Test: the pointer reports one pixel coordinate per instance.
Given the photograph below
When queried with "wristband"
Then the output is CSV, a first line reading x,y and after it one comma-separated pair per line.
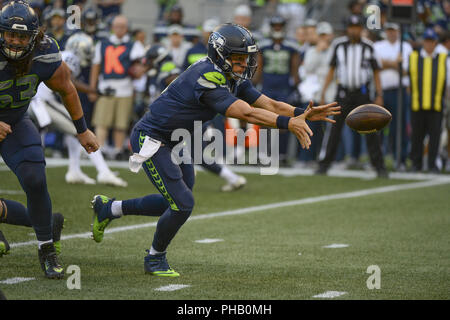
x,y
283,122
80,125
298,111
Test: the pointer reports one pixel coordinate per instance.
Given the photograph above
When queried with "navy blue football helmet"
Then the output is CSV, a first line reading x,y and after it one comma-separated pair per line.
x,y
155,55
277,27
19,27
229,39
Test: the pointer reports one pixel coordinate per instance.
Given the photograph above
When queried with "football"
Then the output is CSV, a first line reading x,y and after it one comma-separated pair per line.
x,y
368,118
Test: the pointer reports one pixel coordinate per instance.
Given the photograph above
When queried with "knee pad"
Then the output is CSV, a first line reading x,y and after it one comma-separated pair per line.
x,y
32,176
185,202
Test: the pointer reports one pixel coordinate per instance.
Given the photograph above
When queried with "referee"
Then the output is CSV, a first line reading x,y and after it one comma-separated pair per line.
x,y
354,64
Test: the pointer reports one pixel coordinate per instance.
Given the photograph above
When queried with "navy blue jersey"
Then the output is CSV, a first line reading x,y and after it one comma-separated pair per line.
x,y
199,93
277,64
16,93
197,52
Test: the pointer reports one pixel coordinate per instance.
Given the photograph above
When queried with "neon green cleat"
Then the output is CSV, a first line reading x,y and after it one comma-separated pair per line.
x,y
58,225
4,245
102,216
49,262
157,265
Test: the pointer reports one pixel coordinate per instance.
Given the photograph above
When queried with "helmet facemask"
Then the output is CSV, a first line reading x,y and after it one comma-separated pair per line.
x,y
17,45
250,69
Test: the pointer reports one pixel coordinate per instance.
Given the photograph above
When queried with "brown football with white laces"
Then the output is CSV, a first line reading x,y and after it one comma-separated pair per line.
x,y
368,118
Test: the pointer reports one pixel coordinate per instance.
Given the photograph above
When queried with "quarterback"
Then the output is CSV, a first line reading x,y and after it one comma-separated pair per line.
x,y
219,83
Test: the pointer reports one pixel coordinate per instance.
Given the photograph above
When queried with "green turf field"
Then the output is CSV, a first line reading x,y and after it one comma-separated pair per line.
x,y
269,252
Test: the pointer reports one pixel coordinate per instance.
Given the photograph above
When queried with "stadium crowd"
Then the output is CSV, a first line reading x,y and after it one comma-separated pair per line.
x,y
295,55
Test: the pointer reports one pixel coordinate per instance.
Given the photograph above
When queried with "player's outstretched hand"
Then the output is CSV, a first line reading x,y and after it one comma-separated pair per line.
x,y
88,140
320,113
5,129
300,128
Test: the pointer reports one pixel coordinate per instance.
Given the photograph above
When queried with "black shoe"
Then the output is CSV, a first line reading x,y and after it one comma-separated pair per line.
x,y
322,170
435,170
58,225
382,173
4,245
49,262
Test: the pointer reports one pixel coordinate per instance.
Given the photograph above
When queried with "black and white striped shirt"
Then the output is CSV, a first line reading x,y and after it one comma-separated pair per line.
x,y
354,62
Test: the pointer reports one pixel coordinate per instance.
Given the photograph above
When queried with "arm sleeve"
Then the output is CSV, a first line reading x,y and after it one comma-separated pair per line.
x,y
248,92
219,99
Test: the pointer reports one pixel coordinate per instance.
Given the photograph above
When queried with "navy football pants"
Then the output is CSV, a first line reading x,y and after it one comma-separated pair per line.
x,y
174,182
23,153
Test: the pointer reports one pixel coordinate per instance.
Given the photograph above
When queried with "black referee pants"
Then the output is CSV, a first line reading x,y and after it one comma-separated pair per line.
x,y
349,101
423,123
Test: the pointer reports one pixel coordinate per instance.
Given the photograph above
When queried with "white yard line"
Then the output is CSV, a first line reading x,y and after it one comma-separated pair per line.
x,y
336,245
172,287
207,240
287,172
16,280
11,192
330,294
276,205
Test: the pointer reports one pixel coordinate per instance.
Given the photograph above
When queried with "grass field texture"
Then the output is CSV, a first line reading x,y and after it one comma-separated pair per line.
x,y
273,252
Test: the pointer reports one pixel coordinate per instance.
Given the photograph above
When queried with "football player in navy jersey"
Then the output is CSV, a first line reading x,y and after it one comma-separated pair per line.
x,y
28,57
219,83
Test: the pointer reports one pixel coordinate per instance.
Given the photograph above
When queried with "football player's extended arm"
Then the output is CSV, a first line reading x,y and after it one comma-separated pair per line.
x,y
278,107
243,111
319,113
61,83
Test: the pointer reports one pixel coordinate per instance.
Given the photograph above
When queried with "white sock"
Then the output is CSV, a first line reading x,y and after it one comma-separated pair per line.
x,y
228,175
116,208
99,161
74,148
40,243
153,251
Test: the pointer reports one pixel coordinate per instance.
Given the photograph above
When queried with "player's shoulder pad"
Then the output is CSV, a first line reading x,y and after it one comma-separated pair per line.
x,y
48,51
211,76
291,44
265,43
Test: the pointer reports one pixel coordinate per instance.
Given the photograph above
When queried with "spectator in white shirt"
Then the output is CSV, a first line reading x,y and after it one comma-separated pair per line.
x,y
110,71
313,72
177,46
389,58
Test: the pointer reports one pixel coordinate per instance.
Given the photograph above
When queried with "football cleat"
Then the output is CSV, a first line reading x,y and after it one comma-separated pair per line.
x,y
110,178
58,225
75,177
238,184
49,262
157,265
102,216
4,245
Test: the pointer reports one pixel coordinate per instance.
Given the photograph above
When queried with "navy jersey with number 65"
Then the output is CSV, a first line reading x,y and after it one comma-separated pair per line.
x,y
16,93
